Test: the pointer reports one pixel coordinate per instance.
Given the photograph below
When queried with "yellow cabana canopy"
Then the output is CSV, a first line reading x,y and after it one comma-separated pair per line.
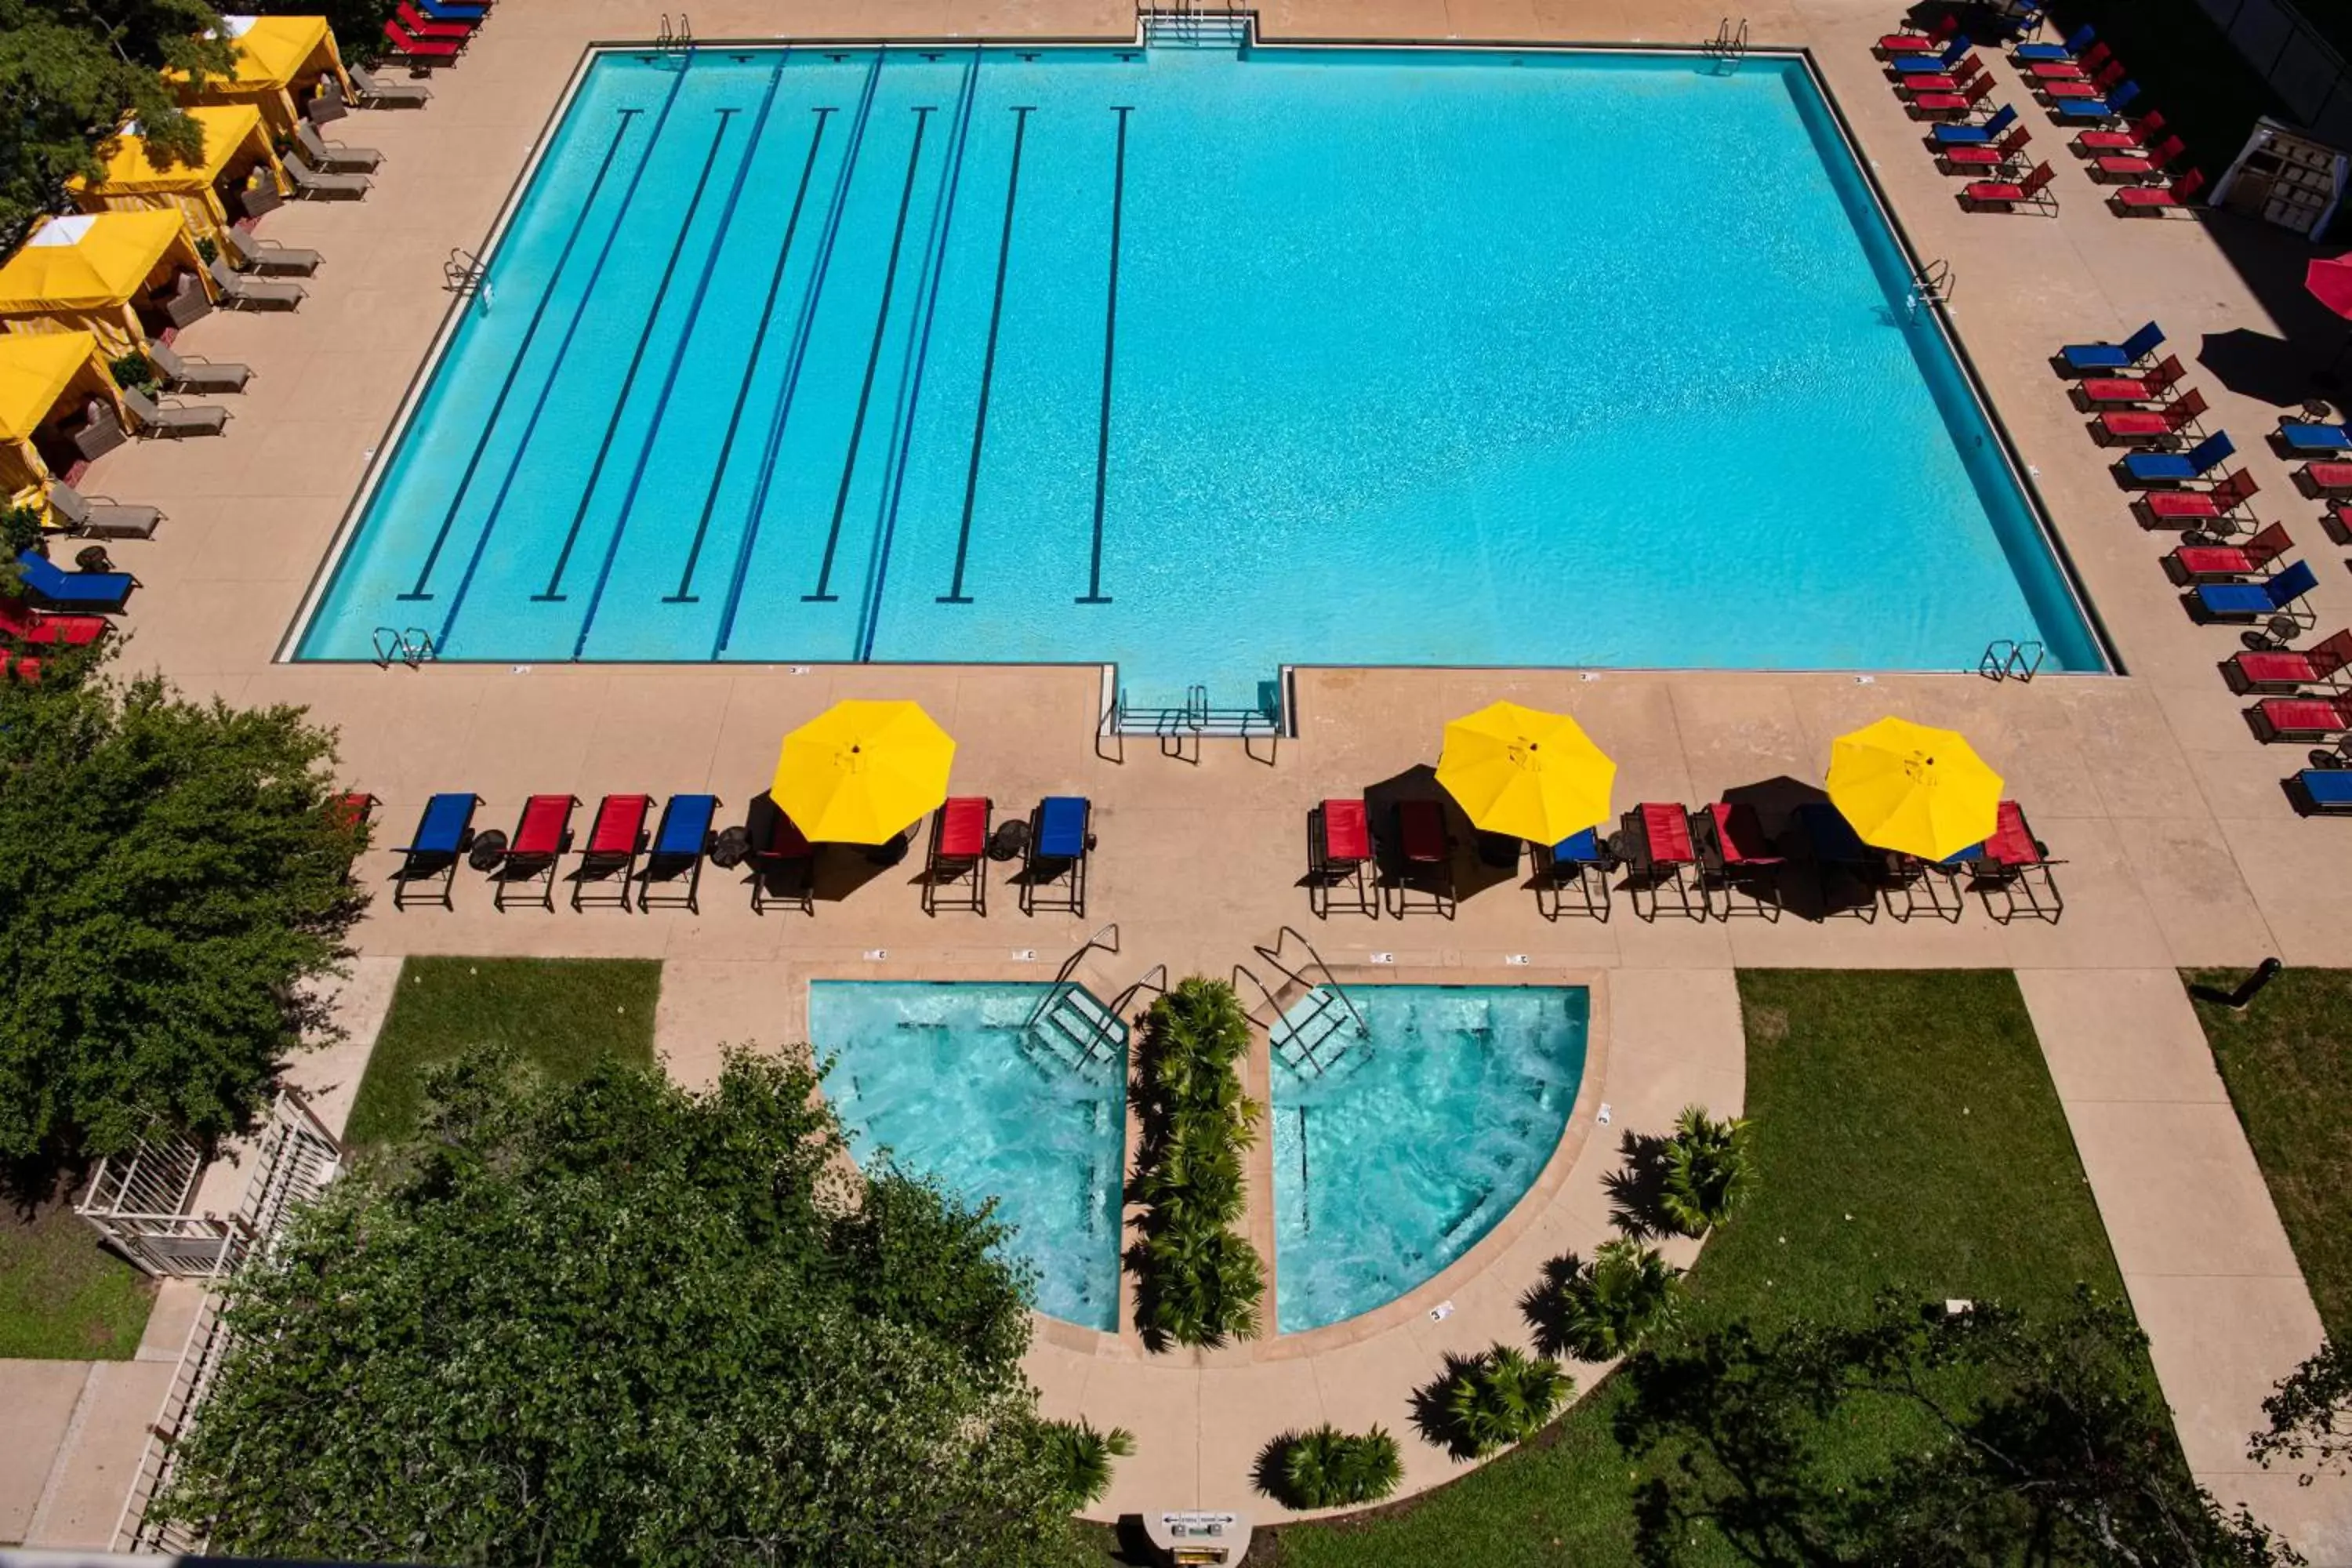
x,y
234,143
277,57
37,373
85,274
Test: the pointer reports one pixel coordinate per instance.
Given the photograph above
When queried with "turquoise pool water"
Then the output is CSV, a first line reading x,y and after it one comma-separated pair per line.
x,y
951,1080
1396,1150
1198,363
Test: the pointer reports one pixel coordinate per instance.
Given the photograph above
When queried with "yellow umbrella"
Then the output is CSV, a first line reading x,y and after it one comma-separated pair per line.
x,y
1526,772
1913,789
860,771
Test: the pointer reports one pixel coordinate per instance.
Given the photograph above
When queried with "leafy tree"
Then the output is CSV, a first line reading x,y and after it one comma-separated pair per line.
x,y
621,1322
1201,1281
1081,1457
1326,1468
1491,1400
72,73
2311,1413
1607,1306
170,876
2041,1442
1708,1170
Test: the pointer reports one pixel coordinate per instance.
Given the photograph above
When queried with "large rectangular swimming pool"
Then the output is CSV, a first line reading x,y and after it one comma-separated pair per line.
x,y
1200,363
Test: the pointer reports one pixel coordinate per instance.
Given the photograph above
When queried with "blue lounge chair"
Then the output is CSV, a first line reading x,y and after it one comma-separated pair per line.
x,y
84,590
1977,136
442,11
2096,110
2081,38
1579,861
443,836
2275,594
680,843
2143,469
2303,440
2026,19
1060,836
2322,792
2091,359
1933,65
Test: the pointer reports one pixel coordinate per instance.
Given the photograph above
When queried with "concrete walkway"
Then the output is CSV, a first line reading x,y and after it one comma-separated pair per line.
x,y
2201,1250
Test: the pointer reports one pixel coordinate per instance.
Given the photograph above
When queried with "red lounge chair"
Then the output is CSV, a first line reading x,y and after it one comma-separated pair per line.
x,y
1977,160
1951,105
2141,136
1426,850
616,836
352,812
20,666
2290,669
2300,718
2133,201
2328,479
1339,855
1895,44
1956,81
421,26
2219,562
2095,88
2137,165
420,51
2008,865
1735,858
2338,524
1658,851
2031,191
2149,388
959,852
2069,70
2182,508
2160,427
20,622
778,847
542,833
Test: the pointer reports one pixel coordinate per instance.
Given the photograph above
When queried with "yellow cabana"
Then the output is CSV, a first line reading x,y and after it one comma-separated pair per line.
x,y
44,382
236,147
280,61
92,272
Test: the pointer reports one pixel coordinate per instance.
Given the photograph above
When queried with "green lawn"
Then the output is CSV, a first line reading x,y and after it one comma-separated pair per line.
x,y
2288,1062
563,1015
62,1296
1905,1133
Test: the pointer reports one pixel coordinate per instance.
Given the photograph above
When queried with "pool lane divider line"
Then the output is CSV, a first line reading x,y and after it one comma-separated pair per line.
x,y
796,357
824,595
556,369
955,593
677,354
514,369
918,362
686,595
1093,593
552,592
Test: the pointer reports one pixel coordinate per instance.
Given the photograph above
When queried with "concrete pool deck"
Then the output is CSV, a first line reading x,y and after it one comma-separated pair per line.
x,y
2178,844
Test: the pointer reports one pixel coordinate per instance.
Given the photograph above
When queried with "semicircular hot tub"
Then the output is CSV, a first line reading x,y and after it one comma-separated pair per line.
x,y
1397,1148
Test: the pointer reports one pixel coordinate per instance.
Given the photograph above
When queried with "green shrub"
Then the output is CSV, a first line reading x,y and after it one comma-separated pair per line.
x,y
1502,1397
1201,1282
1708,1171
20,530
133,369
1080,1455
1608,1305
1326,1468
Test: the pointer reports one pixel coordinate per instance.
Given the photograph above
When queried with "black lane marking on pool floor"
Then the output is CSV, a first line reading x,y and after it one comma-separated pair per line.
x,y
1093,593
923,113
686,595
552,592
514,368
955,593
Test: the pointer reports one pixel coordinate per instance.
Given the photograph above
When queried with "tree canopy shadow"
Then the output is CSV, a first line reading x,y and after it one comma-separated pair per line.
x,y
1541,1306
1637,1189
1432,1417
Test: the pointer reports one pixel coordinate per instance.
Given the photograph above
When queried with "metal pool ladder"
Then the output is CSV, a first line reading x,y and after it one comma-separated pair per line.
x,y
2007,659
412,647
1729,45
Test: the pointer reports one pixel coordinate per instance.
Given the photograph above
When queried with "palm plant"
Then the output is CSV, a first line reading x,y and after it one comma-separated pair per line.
x,y
1202,1283
1326,1468
1081,1456
1708,1170
1502,1397
1609,1305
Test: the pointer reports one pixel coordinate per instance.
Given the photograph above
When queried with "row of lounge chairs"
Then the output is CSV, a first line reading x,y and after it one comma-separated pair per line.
x,y
1715,862
428,33
620,860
